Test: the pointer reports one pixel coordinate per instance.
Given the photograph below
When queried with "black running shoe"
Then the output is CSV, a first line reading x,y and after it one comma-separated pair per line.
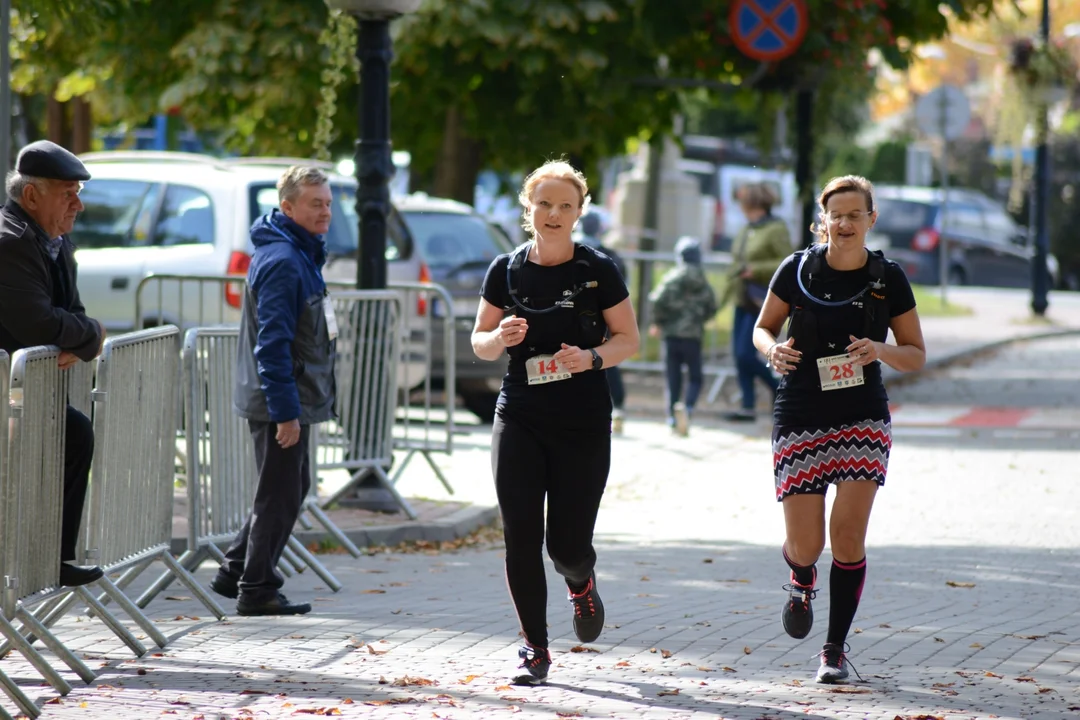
x,y
225,586
278,605
588,611
535,662
798,614
834,665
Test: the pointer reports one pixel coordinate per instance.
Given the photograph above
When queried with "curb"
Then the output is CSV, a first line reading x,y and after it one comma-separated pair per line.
x,y
895,379
464,522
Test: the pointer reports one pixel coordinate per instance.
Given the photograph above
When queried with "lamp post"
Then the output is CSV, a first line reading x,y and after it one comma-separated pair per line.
x,y
374,169
1040,279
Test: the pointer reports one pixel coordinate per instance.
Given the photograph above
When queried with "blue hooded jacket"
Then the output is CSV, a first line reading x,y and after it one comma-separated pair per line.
x,y
285,359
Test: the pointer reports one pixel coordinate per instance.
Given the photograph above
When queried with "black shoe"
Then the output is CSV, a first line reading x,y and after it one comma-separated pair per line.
x,y
225,586
74,576
834,665
739,416
588,611
535,662
798,614
279,605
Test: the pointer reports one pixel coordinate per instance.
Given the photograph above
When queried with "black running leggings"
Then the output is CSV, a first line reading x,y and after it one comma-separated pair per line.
x,y
531,459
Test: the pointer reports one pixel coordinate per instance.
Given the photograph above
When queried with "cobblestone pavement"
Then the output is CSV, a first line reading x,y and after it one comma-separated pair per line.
x,y
969,609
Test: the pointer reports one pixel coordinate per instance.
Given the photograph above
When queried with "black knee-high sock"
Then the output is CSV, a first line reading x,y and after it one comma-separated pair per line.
x,y
804,574
845,589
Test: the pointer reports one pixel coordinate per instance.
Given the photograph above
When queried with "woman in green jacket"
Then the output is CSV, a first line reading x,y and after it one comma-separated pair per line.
x,y
757,252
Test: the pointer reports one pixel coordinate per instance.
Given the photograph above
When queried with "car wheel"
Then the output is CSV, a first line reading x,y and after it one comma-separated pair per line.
x,y
957,276
481,404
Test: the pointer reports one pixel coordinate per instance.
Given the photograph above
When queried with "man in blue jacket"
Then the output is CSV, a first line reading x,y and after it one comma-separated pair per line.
x,y
284,383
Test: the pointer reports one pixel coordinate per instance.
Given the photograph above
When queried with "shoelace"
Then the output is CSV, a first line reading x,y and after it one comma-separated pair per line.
x,y
532,657
836,656
809,593
583,599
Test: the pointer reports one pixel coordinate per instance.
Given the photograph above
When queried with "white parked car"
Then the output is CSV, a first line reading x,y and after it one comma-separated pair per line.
x,y
172,213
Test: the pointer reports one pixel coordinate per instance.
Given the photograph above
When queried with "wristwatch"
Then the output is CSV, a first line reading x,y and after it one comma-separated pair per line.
x,y
597,361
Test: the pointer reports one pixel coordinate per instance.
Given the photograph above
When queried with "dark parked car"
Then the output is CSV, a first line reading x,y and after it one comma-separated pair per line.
x,y
985,246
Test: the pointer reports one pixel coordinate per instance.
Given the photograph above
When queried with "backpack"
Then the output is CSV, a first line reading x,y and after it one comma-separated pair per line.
x,y
802,322
586,305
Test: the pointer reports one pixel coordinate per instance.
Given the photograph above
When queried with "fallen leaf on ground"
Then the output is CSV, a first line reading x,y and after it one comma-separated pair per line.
x,y
644,578
570,713
373,651
850,690
468,679
407,681
373,591
179,598
393,701
1025,679
728,669
747,650
665,654
1029,637
583,649
707,560
977,646
622,663
703,668
664,693
254,692
990,674
953,583
943,685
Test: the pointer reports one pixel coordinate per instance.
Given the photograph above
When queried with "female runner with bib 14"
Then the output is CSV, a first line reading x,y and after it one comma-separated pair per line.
x,y
549,305
831,417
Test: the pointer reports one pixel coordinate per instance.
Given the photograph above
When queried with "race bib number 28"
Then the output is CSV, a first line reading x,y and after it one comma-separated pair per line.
x,y
544,369
839,371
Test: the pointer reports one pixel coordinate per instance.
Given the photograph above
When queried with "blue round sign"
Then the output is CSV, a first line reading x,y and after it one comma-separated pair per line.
x,y
768,30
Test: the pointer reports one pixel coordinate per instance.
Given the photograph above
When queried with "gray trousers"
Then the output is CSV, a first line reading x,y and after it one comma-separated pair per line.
x,y
284,481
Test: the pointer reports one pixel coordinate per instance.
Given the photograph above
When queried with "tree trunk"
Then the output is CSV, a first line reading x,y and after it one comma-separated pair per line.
x,y
81,125
459,161
56,129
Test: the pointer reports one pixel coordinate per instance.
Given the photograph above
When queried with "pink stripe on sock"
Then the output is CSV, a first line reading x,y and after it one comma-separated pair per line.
x,y
861,565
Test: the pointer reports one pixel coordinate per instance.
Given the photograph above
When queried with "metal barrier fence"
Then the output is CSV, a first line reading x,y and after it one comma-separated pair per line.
x,y
368,347
221,473
188,300
421,431
31,492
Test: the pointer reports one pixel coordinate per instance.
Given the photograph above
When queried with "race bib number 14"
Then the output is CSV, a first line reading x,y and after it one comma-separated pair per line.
x,y
839,371
544,369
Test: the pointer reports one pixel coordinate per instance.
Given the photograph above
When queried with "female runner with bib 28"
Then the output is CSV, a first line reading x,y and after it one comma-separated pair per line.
x,y
549,305
831,417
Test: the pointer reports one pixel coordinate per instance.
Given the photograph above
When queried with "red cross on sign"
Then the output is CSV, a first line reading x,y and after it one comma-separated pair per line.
x,y
768,30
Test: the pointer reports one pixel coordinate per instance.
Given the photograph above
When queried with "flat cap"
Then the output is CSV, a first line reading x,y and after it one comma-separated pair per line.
x,y
47,160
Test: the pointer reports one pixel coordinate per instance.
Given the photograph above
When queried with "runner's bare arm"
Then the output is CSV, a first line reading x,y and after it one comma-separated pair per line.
x,y
909,352
493,332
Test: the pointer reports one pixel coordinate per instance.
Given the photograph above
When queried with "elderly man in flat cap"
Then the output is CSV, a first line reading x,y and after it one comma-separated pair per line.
x,y
39,304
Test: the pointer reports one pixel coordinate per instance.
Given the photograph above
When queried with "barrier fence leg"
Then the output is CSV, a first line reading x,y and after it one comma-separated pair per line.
x,y
312,562
438,472
190,559
124,580
133,612
337,533
40,664
113,624
193,585
53,643
17,696
290,560
50,611
303,519
385,481
357,477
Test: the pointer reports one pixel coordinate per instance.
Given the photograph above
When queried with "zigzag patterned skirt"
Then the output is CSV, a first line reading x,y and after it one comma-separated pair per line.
x,y
809,459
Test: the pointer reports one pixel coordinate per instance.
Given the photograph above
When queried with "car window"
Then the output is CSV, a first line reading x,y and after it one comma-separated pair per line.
x,y
1000,227
902,216
965,219
186,218
342,239
117,213
453,239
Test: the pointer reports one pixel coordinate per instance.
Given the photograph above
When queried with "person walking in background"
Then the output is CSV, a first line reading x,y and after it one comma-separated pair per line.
x,y
284,383
590,227
756,253
681,305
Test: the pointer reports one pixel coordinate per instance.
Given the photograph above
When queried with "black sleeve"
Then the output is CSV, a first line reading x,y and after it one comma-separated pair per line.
x,y
783,280
901,297
26,304
494,288
610,285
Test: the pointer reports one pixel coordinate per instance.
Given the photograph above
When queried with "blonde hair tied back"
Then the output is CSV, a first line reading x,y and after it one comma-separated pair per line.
x,y
552,170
